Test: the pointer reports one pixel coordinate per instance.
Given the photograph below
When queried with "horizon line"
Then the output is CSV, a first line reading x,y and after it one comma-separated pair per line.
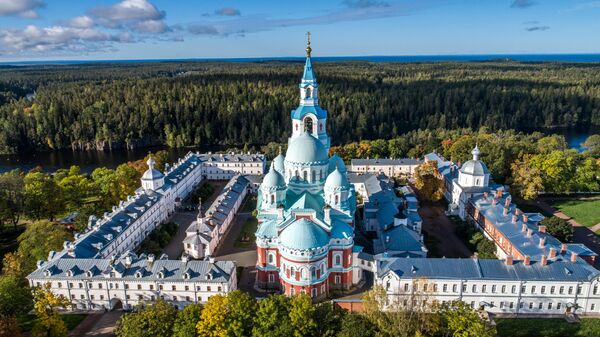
x,y
491,55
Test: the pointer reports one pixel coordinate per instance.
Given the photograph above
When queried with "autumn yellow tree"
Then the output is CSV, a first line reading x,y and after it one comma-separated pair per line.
x,y
430,186
46,309
213,320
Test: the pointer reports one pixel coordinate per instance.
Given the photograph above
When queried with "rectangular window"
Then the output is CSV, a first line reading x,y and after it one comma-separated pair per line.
x,y
552,290
493,288
523,289
474,288
219,288
550,306
152,287
543,289
82,297
405,286
173,288
101,297
540,306
483,288
579,290
454,288
139,286
558,305
504,289
464,288
521,305
510,305
593,307
445,288
530,305
561,290
570,290
208,288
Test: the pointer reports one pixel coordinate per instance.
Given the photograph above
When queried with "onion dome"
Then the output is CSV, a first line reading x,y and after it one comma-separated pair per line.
x,y
336,180
152,173
306,149
303,234
474,166
273,179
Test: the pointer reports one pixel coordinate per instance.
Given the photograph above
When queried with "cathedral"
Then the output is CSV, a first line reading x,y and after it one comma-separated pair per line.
x,y
306,206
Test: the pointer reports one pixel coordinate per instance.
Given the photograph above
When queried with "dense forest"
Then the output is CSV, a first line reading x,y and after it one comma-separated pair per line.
x,y
110,105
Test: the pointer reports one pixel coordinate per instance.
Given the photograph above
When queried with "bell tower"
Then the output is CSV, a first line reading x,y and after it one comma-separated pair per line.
x,y
309,116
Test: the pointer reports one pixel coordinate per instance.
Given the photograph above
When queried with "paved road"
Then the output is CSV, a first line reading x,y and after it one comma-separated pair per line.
x,y
437,225
184,219
97,325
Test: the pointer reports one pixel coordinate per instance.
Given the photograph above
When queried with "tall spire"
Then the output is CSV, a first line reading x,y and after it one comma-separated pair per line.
x,y
308,48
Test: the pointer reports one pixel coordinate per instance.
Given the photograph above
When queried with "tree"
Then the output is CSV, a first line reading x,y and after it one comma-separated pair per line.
x,y
240,313
592,145
42,196
302,316
559,228
13,265
460,320
272,317
149,320
486,249
328,317
411,314
46,309
38,240
128,180
12,198
427,182
356,325
213,320
526,180
74,187
15,300
185,323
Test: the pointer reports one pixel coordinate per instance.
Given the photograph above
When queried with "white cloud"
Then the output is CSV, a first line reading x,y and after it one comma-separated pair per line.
x,y
35,39
83,21
139,15
23,8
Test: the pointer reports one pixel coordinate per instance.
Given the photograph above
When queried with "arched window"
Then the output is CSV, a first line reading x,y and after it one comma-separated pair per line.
x,y
308,92
270,259
272,198
320,126
314,176
296,175
337,199
313,272
338,260
292,272
308,124
296,127
322,268
305,175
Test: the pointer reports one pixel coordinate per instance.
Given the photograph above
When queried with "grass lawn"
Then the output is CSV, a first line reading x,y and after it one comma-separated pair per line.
x,y
71,320
585,212
547,327
246,237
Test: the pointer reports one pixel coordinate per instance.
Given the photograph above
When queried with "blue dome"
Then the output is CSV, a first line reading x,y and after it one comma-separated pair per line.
x,y
336,160
306,149
336,180
304,234
273,179
279,164
341,230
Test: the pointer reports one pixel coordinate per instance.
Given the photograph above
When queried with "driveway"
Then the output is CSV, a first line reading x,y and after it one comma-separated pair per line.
x,y
98,325
437,225
184,219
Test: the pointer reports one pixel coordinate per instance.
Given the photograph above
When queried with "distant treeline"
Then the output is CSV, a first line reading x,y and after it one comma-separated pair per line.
x,y
192,103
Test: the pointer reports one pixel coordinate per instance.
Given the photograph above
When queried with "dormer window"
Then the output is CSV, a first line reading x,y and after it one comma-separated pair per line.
x,y
161,275
138,275
186,276
89,273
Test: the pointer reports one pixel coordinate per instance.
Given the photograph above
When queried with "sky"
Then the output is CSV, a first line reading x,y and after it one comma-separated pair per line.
x,y
159,29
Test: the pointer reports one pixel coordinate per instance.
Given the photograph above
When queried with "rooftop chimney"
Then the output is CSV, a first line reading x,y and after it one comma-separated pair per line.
x,y
185,258
505,211
525,218
527,260
514,219
509,260
552,252
529,232
494,202
507,202
542,242
542,229
524,227
128,261
544,260
518,211
563,248
573,257
485,195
